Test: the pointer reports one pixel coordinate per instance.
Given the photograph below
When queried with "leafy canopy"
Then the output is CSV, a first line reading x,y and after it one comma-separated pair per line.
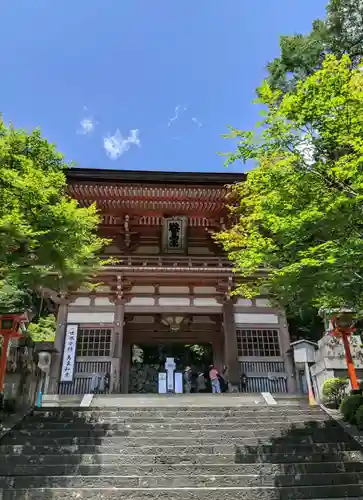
x,y
299,213
46,239
341,32
43,330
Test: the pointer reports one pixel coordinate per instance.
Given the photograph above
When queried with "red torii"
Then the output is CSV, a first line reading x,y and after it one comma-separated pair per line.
x,y
9,329
344,331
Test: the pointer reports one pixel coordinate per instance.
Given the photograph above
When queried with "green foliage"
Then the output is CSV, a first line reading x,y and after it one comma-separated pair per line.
x,y
44,329
46,239
197,350
341,32
14,299
334,390
350,406
304,323
359,417
298,231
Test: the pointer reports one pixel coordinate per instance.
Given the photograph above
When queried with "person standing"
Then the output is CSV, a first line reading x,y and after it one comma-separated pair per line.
x,y
188,379
225,378
213,375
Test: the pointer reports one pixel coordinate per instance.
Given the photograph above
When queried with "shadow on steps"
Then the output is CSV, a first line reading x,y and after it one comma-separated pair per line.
x,y
22,453
319,455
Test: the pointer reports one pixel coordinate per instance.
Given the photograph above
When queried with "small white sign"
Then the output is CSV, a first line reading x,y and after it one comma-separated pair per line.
x,y
69,353
162,383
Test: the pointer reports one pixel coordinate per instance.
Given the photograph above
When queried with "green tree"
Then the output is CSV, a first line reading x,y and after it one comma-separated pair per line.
x,y
44,329
341,32
298,233
46,239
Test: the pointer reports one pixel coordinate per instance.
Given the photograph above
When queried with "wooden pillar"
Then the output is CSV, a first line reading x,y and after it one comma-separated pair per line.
x,y
117,345
218,350
55,368
125,368
230,344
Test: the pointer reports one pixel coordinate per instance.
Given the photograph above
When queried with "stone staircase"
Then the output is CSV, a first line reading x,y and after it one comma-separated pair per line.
x,y
243,450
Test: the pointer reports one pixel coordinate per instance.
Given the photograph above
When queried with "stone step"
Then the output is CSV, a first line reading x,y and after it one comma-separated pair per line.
x,y
346,492
168,424
267,437
152,469
180,400
241,454
227,459
248,412
205,420
147,428
98,431
180,481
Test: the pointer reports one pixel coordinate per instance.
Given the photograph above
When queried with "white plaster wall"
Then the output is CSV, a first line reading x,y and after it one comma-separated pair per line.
x,y
103,301
90,317
205,301
81,301
263,303
142,301
244,302
205,289
142,289
256,318
174,301
173,289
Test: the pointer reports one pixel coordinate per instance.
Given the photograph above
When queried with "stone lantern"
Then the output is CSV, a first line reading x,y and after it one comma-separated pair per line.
x,y
43,353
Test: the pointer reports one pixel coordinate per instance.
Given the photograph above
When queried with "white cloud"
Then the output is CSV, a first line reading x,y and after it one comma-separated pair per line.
x,y
87,126
176,114
197,122
116,145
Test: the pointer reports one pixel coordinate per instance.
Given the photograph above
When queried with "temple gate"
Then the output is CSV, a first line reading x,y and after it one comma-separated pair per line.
x,y
169,283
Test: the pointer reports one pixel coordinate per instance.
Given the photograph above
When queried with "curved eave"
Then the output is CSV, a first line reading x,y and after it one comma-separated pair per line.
x,y
152,177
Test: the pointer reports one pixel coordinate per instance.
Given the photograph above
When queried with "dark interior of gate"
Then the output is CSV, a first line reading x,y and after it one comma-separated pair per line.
x,y
148,360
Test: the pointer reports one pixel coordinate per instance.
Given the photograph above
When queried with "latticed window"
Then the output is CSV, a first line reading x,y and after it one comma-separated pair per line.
x,y
94,342
258,342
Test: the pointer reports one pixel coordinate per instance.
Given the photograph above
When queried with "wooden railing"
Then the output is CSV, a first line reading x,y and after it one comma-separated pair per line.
x,y
180,261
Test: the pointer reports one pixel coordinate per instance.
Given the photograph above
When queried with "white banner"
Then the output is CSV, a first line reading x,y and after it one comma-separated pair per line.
x,y
69,353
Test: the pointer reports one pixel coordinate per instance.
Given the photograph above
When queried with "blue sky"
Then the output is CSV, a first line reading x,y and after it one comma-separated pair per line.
x,y
141,84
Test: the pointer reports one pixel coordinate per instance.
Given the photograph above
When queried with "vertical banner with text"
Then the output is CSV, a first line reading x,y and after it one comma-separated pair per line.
x,y
69,353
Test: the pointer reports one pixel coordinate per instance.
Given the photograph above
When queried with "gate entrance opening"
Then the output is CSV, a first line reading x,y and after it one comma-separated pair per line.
x,y
148,360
